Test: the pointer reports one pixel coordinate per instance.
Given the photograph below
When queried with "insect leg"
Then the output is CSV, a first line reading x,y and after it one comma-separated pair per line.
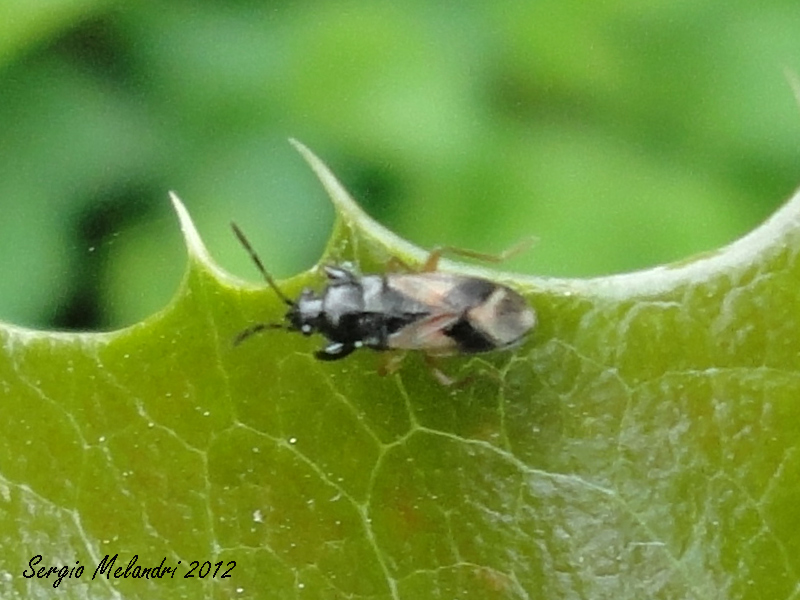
x,y
391,364
432,262
440,376
395,264
334,351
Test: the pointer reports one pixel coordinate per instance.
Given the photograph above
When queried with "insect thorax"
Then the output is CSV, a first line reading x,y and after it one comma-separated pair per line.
x,y
363,311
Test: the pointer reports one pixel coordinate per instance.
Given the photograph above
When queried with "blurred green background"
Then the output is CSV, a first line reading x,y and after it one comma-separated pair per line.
x,y
623,134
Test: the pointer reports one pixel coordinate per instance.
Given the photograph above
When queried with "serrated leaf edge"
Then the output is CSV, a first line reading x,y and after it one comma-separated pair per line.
x,y
770,237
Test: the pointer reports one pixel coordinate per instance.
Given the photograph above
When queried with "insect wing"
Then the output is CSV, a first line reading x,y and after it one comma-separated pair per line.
x,y
433,290
467,315
428,334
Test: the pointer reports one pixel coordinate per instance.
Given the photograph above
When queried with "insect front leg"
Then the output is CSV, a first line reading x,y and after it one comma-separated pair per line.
x,y
334,351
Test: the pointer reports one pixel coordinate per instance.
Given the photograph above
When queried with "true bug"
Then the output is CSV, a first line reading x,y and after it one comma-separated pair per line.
x,y
438,313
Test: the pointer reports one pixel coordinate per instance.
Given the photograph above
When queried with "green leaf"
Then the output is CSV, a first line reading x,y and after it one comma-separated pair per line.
x,y
642,444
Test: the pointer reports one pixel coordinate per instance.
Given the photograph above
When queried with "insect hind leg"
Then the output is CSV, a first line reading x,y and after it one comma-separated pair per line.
x,y
391,365
432,262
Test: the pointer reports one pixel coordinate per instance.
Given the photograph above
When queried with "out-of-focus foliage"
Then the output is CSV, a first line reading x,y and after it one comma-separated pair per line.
x,y
622,134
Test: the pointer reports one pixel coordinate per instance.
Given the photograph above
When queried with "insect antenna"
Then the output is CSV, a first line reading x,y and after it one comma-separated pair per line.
x,y
260,266
254,329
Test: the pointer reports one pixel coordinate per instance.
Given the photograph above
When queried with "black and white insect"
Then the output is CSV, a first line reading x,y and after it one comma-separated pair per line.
x,y
438,313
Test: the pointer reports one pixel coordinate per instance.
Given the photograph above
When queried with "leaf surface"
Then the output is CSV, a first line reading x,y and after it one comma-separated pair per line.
x,y
642,444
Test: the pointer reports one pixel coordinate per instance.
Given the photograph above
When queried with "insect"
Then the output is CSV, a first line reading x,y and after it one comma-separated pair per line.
x,y
438,313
